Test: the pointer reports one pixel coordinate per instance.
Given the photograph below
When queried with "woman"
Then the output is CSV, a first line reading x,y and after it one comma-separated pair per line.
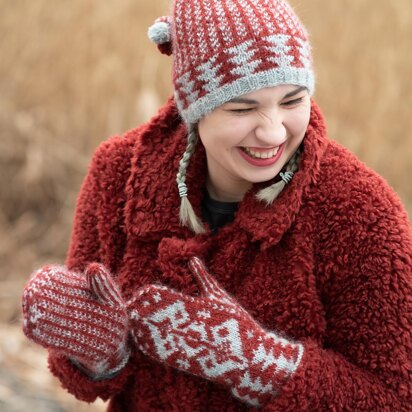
x,y
306,301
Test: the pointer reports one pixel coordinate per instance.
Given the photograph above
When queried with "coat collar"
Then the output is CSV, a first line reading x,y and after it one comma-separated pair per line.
x,y
152,209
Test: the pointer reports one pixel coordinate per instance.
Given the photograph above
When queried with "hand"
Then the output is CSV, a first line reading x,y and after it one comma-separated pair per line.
x,y
80,316
213,337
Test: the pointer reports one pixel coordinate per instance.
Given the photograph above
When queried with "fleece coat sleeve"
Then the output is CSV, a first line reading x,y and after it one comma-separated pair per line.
x,y
98,211
364,268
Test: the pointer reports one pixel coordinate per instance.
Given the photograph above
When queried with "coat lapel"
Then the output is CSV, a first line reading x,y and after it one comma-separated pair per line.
x,y
269,223
152,210
153,202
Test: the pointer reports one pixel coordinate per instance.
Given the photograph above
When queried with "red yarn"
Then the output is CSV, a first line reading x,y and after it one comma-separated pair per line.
x,y
328,265
78,317
213,337
224,49
166,48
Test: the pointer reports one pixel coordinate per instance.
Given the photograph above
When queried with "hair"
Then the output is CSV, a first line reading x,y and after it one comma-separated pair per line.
x,y
187,215
267,195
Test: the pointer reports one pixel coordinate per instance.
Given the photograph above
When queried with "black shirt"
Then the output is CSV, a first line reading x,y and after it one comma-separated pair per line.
x,y
217,214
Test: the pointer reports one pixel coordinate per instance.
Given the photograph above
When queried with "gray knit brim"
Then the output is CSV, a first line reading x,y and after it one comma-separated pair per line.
x,y
275,77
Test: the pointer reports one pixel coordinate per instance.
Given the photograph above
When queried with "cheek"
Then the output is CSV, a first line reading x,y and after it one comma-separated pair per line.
x,y
222,136
298,122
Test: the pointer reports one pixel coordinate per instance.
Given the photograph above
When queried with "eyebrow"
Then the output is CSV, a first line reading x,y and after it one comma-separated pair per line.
x,y
251,101
294,92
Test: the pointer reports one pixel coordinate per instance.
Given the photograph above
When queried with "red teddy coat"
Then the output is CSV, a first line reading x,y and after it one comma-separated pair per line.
x,y
328,264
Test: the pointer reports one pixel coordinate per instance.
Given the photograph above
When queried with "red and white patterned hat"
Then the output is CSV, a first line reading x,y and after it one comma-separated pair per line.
x,y
226,48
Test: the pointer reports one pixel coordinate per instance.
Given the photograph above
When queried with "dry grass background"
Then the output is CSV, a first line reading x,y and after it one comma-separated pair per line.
x,y
73,73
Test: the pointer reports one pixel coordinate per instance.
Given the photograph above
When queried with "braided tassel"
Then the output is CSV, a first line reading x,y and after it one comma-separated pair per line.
x,y
271,193
187,215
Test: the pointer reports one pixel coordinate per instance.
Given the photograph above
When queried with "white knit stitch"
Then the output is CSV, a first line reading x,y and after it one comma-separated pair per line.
x,y
243,58
58,321
255,385
295,25
58,302
181,60
60,341
304,56
191,29
54,272
251,16
271,8
238,20
73,342
209,74
35,314
219,346
269,78
157,298
188,87
61,313
209,286
280,50
266,358
246,398
184,364
211,26
105,291
249,334
280,15
204,314
201,35
174,342
268,20
207,29
221,50
186,346
222,22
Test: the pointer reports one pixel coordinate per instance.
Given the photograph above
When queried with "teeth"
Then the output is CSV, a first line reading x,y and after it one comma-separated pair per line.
x,y
261,155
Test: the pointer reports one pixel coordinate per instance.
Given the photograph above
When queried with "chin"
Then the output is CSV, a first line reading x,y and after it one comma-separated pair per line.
x,y
261,179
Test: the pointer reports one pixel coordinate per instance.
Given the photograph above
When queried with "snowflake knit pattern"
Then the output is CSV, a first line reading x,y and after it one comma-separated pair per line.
x,y
80,316
213,337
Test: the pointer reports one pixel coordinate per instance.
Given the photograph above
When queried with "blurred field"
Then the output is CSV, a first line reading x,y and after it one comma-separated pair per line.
x,y
73,73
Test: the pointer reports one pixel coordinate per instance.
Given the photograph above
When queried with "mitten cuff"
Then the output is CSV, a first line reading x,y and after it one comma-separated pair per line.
x,y
273,362
107,374
84,387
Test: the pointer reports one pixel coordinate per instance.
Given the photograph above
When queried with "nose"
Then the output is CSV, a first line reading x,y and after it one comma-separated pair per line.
x,y
270,130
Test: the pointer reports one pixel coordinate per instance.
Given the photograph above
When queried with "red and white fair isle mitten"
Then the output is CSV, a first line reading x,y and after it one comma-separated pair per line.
x,y
213,337
80,316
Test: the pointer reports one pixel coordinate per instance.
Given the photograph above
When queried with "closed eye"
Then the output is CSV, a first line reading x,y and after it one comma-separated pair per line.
x,y
241,110
293,101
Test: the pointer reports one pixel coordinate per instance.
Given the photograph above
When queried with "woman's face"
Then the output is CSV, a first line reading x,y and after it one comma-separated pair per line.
x,y
250,138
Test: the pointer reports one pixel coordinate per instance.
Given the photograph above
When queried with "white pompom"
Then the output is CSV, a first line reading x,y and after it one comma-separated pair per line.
x,y
159,32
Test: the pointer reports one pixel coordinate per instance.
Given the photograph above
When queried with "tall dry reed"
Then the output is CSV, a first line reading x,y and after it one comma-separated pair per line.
x,y
73,73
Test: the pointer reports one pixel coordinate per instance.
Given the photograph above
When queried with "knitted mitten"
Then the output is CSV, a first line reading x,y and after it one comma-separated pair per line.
x,y
213,337
82,317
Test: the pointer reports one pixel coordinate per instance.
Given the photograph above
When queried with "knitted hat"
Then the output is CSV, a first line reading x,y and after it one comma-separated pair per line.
x,y
226,48
223,49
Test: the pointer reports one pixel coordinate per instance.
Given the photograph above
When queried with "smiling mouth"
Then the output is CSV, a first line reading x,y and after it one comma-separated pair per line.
x,y
260,153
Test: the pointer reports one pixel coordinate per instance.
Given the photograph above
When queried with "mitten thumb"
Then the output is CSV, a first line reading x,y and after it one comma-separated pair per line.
x,y
102,285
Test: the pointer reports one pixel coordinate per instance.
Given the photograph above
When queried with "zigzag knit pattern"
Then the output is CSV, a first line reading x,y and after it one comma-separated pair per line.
x,y
226,48
213,337
82,317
